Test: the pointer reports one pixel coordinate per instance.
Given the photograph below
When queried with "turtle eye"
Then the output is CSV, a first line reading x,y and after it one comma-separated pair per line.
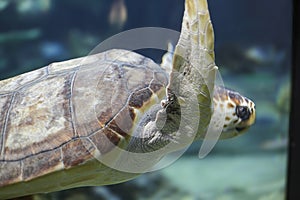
x,y
242,112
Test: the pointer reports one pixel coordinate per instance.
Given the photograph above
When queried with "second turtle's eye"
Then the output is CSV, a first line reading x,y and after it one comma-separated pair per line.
x,y
242,112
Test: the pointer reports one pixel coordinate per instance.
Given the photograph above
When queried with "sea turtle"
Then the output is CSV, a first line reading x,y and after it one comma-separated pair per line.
x,y
57,131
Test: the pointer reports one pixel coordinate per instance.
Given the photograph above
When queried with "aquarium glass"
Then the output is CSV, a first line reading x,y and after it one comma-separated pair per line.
x,y
253,52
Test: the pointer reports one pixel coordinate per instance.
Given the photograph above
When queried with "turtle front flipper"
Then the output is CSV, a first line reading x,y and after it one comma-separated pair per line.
x,y
192,77
187,110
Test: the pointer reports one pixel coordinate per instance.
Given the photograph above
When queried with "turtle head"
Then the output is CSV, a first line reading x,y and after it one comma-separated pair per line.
x,y
239,111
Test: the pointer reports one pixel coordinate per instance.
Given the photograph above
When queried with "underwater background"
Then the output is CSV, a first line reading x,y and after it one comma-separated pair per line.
x,y
253,52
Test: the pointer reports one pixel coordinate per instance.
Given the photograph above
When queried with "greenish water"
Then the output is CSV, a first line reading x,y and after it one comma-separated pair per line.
x,y
253,51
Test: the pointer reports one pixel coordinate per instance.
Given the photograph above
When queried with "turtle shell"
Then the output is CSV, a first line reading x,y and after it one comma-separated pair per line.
x,y
55,120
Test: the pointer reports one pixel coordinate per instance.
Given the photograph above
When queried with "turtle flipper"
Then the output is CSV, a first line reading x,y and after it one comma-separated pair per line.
x,y
196,42
193,68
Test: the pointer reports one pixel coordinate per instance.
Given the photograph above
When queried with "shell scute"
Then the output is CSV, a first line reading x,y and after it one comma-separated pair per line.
x,y
39,118
123,122
41,164
105,140
136,78
76,152
10,172
138,98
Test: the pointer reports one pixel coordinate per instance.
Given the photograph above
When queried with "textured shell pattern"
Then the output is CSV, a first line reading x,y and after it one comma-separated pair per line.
x,y
59,116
